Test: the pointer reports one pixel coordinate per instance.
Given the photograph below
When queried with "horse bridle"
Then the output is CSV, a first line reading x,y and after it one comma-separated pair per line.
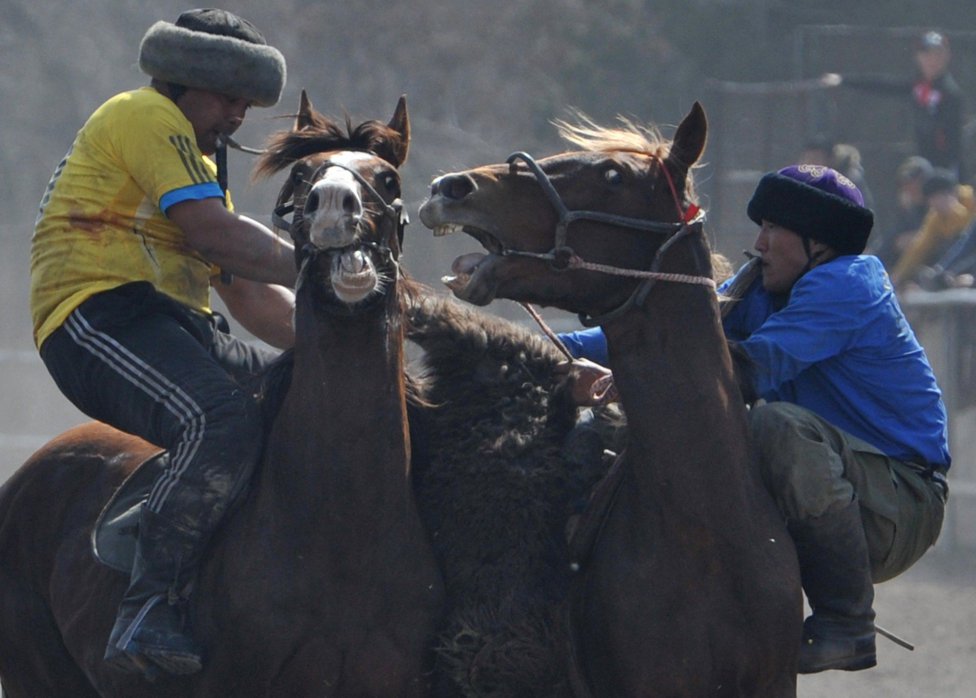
x,y
562,256
393,211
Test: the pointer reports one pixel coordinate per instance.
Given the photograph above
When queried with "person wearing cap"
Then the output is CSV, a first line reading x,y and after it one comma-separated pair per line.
x,y
132,232
938,105
950,209
937,102
851,431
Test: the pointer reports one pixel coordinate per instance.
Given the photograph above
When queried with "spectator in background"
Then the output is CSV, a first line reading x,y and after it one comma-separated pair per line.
x,y
956,268
937,102
842,157
938,105
910,210
951,208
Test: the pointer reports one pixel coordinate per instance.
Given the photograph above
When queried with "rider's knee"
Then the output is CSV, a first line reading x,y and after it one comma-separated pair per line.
x,y
799,467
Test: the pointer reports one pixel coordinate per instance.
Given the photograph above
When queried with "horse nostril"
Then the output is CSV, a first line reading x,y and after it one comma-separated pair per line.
x,y
350,204
311,203
455,186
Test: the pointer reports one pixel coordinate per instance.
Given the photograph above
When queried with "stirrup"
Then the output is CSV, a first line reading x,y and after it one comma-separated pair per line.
x,y
135,647
827,646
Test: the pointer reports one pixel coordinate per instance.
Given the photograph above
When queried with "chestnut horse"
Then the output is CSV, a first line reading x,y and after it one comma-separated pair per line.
x,y
691,587
322,582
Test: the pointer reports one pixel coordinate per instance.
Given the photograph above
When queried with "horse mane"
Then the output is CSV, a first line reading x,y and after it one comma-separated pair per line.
x,y
628,137
323,134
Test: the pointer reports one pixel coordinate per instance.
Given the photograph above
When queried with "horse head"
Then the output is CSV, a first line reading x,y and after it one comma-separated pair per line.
x,y
554,228
343,192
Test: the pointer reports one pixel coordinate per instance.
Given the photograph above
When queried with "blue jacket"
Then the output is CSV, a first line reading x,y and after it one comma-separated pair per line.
x,y
840,347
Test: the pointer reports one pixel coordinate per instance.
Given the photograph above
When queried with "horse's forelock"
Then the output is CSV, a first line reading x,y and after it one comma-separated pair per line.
x,y
629,136
380,139
287,147
322,135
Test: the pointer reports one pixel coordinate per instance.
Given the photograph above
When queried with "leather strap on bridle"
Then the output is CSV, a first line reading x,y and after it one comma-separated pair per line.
x,y
394,210
561,251
562,256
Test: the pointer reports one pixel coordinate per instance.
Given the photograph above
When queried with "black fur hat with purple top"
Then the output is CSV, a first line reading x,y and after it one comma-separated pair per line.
x,y
815,202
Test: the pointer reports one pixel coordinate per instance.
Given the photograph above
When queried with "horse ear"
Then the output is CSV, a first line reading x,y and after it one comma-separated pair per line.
x,y
305,117
401,124
689,141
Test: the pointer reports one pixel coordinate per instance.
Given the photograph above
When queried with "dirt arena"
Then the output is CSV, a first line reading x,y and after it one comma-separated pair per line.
x,y
933,606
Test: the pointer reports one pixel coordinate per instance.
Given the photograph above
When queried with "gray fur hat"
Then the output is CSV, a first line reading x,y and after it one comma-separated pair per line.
x,y
212,49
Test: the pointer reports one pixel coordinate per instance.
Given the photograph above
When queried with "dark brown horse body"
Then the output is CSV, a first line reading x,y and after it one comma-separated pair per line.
x,y
322,582
692,588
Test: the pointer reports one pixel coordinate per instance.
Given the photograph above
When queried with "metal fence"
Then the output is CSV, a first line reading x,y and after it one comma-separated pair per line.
x,y
762,126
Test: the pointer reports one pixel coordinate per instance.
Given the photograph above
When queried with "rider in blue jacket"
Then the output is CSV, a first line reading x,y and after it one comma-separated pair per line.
x,y
851,433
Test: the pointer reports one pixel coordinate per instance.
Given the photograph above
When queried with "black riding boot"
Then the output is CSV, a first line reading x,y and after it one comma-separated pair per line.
x,y
836,575
151,628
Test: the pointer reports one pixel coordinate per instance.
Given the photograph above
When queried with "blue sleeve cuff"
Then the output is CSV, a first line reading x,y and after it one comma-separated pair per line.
x,y
587,344
194,192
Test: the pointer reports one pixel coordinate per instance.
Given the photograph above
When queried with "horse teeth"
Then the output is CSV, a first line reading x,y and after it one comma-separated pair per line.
x,y
447,229
457,282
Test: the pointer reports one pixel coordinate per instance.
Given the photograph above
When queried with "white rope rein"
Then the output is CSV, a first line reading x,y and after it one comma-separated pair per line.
x,y
578,263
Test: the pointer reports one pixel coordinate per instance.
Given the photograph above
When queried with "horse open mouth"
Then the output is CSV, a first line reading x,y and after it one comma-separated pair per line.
x,y
354,276
465,269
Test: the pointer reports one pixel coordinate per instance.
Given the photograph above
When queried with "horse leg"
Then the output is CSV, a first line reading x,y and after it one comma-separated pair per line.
x,y
33,659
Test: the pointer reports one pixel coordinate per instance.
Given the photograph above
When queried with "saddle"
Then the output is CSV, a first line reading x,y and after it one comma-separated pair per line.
x,y
117,526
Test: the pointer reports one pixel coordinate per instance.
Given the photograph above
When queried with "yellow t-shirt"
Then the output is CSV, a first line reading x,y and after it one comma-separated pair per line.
x,y
101,222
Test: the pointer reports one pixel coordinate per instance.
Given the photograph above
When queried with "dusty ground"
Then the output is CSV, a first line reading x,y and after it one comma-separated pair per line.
x,y
933,605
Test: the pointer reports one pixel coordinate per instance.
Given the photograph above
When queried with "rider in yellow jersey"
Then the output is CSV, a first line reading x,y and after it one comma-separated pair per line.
x,y
133,231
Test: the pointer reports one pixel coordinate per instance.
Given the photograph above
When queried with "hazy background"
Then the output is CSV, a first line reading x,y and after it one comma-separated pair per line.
x,y
482,79
486,78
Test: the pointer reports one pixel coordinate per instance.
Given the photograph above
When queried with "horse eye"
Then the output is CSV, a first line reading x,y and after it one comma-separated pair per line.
x,y
613,177
390,182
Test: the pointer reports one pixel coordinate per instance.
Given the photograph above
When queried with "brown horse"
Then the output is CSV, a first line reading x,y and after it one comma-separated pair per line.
x,y
691,587
322,582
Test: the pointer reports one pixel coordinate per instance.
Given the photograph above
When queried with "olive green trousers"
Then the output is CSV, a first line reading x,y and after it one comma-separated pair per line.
x,y
812,468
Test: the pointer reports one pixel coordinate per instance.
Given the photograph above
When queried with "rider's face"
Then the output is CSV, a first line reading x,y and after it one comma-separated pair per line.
x,y
211,115
784,258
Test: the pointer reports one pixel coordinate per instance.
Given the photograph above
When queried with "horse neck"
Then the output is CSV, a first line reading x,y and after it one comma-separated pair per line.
x,y
340,440
673,370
